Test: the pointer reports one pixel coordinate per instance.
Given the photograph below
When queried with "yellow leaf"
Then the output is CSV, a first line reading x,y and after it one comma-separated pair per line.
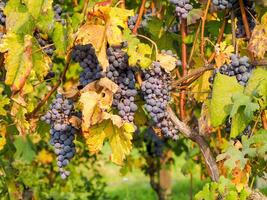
x,y
167,62
44,157
95,35
119,140
3,135
222,53
107,83
258,41
89,102
200,88
113,33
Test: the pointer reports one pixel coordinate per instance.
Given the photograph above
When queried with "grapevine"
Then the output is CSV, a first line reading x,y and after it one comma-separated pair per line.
x,y
164,95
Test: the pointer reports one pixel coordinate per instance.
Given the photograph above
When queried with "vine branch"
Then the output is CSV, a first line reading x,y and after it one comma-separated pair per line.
x,y
244,18
204,147
140,15
49,94
184,68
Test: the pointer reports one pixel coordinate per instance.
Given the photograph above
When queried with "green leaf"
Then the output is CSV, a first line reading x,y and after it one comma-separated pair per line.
x,y
223,89
231,156
256,145
257,85
239,123
139,53
242,113
60,39
232,195
24,149
18,19
240,100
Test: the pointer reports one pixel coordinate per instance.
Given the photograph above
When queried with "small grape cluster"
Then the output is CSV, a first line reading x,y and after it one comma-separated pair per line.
x,y
62,133
59,14
154,144
123,75
156,92
86,57
238,67
223,4
250,13
146,18
45,43
182,8
2,15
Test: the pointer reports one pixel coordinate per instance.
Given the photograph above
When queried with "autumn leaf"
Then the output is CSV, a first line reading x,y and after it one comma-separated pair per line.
x,y
222,53
258,41
2,135
95,35
167,62
200,88
119,139
44,157
18,62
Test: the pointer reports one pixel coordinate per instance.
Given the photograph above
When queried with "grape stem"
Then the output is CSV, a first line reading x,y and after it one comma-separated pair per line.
x,y
194,72
184,68
203,145
140,15
203,28
244,18
264,119
220,37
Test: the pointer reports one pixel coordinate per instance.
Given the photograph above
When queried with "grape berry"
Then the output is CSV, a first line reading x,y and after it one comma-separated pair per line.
x,y
62,133
59,14
123,75
156,92
182,8
238,67
92,70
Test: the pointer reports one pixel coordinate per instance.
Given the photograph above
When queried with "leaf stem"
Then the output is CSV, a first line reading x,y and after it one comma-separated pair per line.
x,y
203,29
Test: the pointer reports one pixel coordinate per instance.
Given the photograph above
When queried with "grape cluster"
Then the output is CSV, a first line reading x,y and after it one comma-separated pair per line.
x,y
146,18
154,144
46,43
62,133
2,15
86,57
59,14
250,13
123,75
238,67
224,4
182,8
156,92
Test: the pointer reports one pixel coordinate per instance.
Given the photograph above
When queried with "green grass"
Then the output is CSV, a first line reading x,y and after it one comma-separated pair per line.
x,y
143,191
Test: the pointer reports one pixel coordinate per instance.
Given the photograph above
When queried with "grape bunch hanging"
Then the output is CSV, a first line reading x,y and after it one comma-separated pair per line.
x,y
224,4
182,8
61,131
123,75
86,57
239,67
156,93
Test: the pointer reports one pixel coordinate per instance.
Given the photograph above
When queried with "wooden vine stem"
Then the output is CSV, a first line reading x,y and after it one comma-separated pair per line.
x,y
264,119
204,147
